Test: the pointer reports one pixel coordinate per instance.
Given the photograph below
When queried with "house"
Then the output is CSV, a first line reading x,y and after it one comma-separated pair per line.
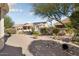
x,y
39,25
65,21
20,28
27,27
63,29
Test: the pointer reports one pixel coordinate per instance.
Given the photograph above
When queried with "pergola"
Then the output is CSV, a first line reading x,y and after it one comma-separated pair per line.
x,y
4,8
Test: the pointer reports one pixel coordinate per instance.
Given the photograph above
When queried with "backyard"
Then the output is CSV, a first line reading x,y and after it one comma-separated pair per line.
x,y
57,34
43,46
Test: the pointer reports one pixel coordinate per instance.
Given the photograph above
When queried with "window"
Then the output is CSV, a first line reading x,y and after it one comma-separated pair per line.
x,y
24,27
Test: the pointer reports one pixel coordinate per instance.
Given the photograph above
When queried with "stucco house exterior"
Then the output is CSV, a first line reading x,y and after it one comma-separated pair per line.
x,y
39,25
29,26
4,9
20,28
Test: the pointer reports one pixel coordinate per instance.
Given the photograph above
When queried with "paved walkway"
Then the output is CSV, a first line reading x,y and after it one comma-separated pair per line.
x,y
20,41
23,41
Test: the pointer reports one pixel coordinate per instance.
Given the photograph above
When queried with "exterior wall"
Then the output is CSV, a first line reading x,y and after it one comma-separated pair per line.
x,y
21,29
37,27
1,27
4,9
18,29
27,28
1,33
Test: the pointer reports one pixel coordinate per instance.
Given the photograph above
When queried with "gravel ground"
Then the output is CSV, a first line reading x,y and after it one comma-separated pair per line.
x,y
46,48
43,46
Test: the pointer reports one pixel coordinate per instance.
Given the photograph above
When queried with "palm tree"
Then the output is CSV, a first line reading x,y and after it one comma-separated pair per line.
x,y
4,8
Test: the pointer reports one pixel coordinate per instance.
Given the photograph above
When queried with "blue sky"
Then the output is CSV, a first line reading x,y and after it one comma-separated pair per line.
x,y
23,13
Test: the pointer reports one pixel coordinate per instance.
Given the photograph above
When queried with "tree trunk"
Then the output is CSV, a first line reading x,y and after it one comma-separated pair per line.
x,y
1,33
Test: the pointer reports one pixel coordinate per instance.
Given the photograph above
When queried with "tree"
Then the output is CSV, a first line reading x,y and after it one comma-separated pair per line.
x,y
56,11
75,19
53,11
75,16
8,23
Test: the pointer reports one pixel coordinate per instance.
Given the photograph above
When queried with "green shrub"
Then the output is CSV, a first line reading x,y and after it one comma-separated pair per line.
x,y
47,31
50,30
36,33
10,31
77,32
33,30
44,31
55,31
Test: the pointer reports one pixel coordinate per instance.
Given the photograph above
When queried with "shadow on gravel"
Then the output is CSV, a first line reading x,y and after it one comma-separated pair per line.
x,y
48,48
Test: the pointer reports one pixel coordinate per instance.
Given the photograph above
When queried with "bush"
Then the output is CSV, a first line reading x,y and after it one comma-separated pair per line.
x,y
44,31
50,30
10,31
77,32
33,30
55,31
47,31
36,33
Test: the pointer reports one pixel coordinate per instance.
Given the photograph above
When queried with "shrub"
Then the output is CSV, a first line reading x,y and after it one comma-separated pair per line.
x,y
50,30
44,31
47,31
33,30
55,31
77,32
76,41
36,33
10,30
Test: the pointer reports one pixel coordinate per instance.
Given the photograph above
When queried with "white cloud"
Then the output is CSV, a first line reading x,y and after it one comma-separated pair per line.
x,y
15,10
